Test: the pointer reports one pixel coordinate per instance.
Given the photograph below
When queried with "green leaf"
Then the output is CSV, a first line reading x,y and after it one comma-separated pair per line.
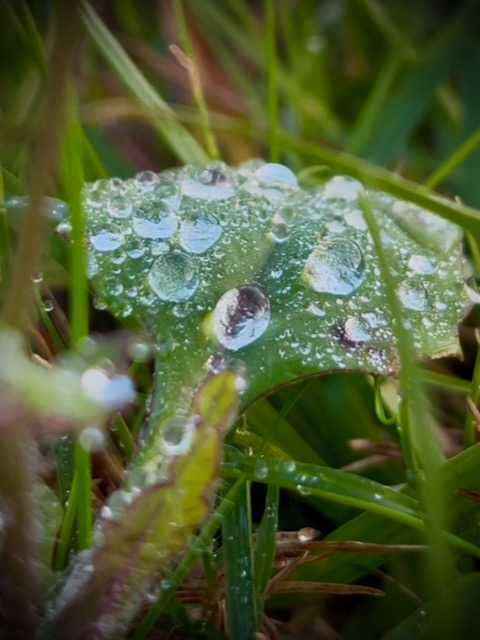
x,y
242,269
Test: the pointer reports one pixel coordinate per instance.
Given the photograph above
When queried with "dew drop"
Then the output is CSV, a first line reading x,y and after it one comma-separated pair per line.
x,y
48,306
261,470
412,296
335,266
288,214
197,236
280,232
119,207
302,490
273,174
147,180
92,439
315,310
37,278
155,221
212,184
104,241
420,265
166,189
177,434
342,188
94,198
173,277
306,534
140,350
241,316
357,330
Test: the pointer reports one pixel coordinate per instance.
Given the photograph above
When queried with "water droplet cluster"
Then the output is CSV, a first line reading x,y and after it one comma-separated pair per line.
x,y
242,263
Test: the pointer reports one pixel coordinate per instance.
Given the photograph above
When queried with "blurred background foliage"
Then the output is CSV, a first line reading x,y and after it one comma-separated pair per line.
x,y
395,84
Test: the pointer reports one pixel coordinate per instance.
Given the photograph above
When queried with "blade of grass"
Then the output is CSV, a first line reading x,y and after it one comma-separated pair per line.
x,y
272,80
449,165
238,563
379,178
176,136
73,180
188,61
194,551
420,449
344,488
265,547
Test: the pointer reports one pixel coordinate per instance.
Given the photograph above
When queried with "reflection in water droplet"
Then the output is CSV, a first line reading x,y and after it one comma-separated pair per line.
x,y
241,316
155,221
173,277
336,266
213,177
119,207
421,265
37,278
177,434
212,184
343,188
107,240
276,175
357,330
280,233
412,296
197,236
147,180
48,306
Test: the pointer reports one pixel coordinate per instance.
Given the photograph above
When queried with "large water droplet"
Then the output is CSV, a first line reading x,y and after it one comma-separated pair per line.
x,y
421,265
241,316
177,434
336,266
197,236
173,277
120,207
412,296
106,240
342,188
155,221
212,184
273,174
356,330
147,180
280,232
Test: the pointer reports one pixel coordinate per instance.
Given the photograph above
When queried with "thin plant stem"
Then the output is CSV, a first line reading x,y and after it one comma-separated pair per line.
x,y
272,91
454,160
187,60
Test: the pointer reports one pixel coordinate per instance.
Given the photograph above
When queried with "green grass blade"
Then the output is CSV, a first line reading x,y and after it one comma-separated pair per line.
x,y
189,64
179,140
272,93
449,165
420,448
238,562
393,183
265,546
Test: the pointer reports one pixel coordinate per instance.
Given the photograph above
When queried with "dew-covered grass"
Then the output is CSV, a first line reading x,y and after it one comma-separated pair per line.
x,y
239,367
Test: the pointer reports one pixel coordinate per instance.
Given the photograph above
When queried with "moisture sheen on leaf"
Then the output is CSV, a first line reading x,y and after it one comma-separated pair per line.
x,y
243,268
